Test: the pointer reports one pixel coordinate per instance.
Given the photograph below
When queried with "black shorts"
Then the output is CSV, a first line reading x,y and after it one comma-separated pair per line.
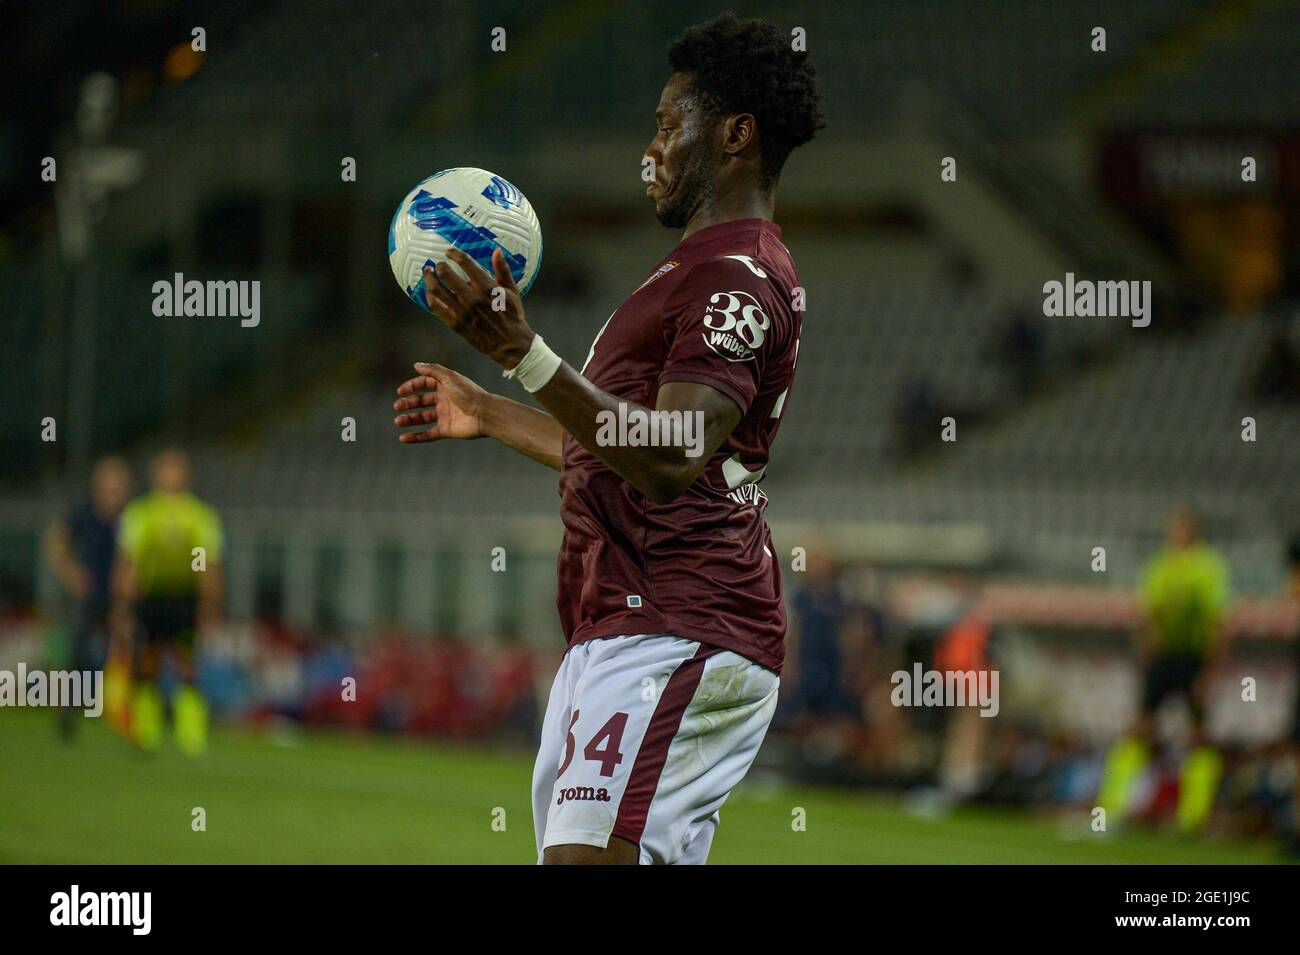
x,y
168,620
1168,675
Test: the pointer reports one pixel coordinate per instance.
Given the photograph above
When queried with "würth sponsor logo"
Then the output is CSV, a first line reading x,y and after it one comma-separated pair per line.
x,y
581,794
75,907
748,494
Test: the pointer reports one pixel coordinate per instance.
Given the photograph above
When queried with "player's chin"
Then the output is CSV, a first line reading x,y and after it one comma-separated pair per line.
x,y
669,216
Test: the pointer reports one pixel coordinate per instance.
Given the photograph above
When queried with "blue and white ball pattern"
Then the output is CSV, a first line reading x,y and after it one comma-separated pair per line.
x,y
472,209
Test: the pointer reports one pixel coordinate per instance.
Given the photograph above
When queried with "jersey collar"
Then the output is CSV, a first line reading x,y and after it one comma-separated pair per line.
x,y
730,228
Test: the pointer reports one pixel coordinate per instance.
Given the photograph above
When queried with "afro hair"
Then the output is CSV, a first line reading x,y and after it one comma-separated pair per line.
x,y
749,66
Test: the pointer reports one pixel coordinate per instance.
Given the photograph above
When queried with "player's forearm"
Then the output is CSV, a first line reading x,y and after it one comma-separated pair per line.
x,y
660,473
533,433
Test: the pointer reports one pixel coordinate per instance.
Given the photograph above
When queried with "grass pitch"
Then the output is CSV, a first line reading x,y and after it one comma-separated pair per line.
x,y
324,797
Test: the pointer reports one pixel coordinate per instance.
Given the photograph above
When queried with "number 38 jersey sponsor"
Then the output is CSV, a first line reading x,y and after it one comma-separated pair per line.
x,y
723,309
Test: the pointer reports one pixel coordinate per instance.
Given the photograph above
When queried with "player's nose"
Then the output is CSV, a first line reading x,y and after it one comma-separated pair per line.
x,y
654,155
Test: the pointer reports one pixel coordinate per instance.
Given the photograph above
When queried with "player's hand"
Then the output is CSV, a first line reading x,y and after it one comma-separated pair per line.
x,y
486,311
446,403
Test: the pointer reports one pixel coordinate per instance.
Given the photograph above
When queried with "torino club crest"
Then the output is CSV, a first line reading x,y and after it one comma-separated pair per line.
x,y
735,325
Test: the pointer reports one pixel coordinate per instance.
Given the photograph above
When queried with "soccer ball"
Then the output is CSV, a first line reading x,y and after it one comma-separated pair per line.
x,y
473,210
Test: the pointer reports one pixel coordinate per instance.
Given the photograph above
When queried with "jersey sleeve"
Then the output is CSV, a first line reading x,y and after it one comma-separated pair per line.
x,y
725,322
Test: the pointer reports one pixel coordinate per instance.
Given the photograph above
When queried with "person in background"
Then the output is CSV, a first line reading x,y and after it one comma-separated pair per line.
x,y
168,576
820,611
965,649
80,549
1184,596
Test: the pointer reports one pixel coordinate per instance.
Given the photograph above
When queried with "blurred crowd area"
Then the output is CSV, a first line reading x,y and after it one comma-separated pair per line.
x,y
263,674
1071,684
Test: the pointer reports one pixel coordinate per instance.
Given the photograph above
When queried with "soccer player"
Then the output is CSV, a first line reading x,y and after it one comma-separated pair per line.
x,y
169,573
1184,595
669,583
80,549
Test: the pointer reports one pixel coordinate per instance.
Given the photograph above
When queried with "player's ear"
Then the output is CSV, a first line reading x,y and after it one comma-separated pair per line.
x,y
739,132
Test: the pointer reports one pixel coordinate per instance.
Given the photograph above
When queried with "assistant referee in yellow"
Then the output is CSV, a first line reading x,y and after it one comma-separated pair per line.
x,y
1184,593
168,582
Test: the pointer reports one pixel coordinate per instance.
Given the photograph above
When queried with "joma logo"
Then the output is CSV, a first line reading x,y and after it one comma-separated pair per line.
x,y
580,793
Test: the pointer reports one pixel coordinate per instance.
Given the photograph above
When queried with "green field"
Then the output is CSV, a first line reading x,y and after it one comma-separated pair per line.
x,y
323,797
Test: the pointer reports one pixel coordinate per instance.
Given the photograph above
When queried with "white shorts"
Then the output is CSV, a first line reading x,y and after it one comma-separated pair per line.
x,y
644,738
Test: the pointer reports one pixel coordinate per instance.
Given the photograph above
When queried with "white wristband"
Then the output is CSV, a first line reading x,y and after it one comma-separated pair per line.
x,y
537,367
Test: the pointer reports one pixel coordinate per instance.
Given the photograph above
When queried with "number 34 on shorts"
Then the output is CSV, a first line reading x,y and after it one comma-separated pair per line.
x,y
644,738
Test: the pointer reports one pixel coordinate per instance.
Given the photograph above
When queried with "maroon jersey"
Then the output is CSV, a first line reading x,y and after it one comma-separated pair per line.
x,y
719,310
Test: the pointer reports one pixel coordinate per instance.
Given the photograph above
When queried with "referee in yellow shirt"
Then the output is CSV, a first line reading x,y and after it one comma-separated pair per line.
x,y
168,578
1184,594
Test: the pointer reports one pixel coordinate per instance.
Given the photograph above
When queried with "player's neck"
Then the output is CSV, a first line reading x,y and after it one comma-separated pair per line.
x,y
748,205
